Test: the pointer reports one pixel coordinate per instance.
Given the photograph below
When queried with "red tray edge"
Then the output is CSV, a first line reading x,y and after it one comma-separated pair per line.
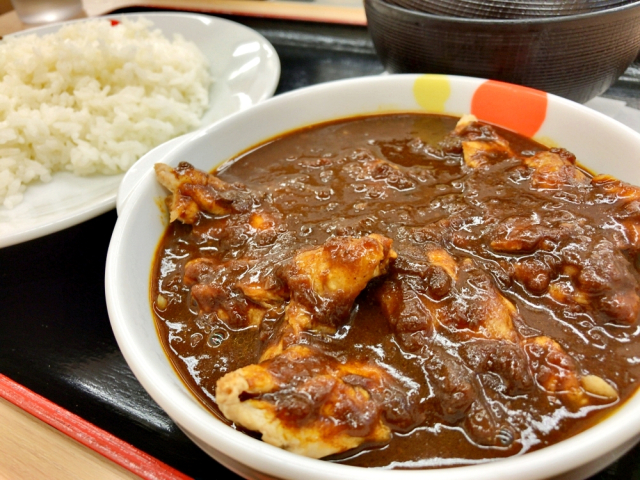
x,y
84,432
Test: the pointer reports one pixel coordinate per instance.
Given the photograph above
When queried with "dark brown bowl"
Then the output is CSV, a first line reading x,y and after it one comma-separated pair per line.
x,y
508,8
577,56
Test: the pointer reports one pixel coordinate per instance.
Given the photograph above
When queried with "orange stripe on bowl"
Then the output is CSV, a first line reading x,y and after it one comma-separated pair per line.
x,y
517,108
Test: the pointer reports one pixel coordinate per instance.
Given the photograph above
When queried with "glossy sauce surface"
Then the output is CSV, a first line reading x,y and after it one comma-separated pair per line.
x,y
470,397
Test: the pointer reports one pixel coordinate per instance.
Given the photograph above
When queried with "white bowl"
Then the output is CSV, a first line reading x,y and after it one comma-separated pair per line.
x,y
599,142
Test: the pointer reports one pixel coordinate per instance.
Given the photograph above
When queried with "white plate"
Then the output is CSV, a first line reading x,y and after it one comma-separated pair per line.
x,y
246,70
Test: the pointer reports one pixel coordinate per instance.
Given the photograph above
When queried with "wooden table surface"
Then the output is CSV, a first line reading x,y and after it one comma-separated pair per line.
x,y
336,11
32,449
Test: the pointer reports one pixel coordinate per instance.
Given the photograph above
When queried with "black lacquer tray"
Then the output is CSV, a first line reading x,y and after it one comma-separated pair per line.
x,y
55,336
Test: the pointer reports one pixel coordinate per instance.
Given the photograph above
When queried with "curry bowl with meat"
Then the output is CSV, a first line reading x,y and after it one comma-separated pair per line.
x,y
420,284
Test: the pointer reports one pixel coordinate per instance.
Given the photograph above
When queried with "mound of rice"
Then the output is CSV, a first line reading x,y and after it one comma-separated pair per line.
x,y
93,98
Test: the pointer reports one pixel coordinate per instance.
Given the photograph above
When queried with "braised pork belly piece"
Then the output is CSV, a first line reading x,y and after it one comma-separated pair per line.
x,y
402,290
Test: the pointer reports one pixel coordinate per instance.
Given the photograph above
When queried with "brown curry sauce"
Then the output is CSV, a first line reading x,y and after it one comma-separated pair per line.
x,y
564,257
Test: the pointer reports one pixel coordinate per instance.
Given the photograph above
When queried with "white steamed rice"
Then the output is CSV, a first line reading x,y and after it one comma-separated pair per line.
x,y
92,98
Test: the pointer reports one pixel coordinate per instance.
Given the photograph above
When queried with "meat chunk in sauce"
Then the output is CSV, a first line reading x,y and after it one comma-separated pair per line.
x,y
444,298
309,403
325,281
481,145
195,191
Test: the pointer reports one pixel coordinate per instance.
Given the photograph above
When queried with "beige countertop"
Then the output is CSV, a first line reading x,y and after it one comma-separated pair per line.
x,y
339,11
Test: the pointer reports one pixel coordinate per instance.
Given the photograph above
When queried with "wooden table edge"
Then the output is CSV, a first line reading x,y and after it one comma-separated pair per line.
x,y
86,433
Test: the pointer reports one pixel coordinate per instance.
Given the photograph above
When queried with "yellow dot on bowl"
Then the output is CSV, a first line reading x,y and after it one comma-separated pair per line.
x,y
431,92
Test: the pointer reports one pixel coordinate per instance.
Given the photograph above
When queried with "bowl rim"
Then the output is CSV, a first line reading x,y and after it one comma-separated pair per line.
x,y
558,19
615,431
